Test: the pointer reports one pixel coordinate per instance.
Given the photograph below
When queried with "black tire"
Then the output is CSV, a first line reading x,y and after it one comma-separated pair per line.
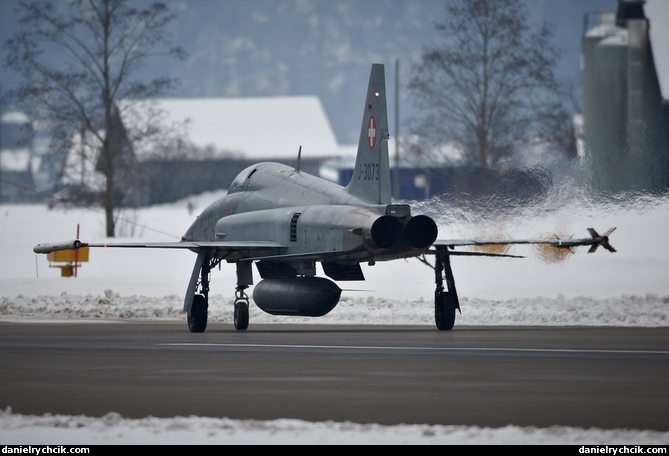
x,y
241,315
197,318
444,311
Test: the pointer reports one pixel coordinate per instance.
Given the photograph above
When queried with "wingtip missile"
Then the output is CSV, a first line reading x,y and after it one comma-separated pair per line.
x,y
58,246
594,241
602,240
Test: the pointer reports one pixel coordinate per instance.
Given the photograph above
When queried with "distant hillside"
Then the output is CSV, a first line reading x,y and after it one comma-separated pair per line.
x,y
312,47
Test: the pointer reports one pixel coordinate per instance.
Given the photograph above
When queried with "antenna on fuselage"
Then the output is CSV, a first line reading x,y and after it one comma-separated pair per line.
x,y
299,159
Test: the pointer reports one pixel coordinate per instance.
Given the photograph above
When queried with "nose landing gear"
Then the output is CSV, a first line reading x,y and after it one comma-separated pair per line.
x,y
241,317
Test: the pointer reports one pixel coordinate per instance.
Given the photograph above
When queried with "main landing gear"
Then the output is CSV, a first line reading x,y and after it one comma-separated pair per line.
x,y
445,300
197,316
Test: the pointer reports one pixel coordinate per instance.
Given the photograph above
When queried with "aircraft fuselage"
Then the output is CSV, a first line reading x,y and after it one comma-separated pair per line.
x,y
260,206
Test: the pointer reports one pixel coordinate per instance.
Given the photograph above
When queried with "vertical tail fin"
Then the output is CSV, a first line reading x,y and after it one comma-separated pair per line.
x,y
371,176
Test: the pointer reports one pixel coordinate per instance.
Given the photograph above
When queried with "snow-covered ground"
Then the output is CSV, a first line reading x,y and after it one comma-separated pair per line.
x,y
626,288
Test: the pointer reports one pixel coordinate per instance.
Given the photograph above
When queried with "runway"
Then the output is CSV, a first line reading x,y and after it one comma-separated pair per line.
x,y
485,376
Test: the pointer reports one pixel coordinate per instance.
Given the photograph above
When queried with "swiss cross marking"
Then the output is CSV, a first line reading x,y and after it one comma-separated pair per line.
x,y
371,132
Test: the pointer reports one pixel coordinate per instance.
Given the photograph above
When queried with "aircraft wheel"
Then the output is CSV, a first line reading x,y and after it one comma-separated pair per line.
x,y
444,311
241,315
197,318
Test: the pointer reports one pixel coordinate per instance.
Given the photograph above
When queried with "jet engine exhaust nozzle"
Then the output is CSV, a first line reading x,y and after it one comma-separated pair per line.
x,y
420,231
386,232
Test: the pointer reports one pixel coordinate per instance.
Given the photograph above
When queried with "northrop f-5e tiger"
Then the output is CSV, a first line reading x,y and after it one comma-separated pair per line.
x,y
285,221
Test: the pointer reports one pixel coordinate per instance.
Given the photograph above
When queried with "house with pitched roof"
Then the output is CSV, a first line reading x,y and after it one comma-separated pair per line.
x,y
203,144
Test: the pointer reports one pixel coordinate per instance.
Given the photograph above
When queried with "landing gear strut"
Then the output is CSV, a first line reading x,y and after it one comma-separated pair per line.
x,y
197,317
445,301
241,308
244,279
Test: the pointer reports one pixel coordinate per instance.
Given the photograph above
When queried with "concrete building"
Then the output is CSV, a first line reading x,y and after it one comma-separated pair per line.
x,y
16,158
626,96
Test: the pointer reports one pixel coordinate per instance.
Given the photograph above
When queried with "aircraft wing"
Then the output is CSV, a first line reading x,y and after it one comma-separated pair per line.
x,y
594,241
196,246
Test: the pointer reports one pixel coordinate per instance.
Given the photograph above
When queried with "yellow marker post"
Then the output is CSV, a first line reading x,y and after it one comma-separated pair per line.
x,y
72,259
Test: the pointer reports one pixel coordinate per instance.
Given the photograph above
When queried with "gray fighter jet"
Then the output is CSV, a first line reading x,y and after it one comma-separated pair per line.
x,y
285,221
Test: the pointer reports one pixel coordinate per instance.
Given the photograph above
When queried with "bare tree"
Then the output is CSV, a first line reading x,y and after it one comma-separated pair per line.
x,y
79,60
489,86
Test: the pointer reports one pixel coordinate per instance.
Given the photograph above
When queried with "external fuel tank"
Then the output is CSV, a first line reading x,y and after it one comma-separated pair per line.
x,y
299,296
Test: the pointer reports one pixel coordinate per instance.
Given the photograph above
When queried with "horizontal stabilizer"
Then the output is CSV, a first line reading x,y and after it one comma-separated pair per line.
x,y
483,254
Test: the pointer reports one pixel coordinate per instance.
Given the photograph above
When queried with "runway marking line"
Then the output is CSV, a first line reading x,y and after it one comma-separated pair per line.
x,y
351,347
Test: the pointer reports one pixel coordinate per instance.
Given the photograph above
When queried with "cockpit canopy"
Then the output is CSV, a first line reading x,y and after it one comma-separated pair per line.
x,y
238,182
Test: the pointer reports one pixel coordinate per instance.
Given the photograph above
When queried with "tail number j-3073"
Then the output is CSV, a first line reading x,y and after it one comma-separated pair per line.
x,y
368,171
